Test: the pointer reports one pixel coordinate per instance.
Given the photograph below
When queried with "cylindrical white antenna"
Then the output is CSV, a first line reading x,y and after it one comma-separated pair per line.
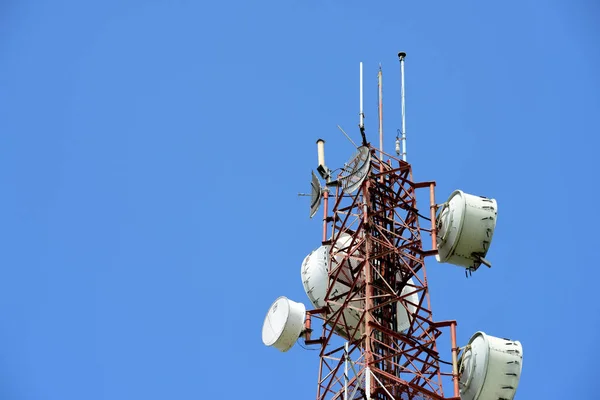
x,y
401,56
380,106
346,371
368,383
361,124
321,151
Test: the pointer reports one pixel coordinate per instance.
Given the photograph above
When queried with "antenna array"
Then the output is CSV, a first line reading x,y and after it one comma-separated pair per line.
x,y
368,284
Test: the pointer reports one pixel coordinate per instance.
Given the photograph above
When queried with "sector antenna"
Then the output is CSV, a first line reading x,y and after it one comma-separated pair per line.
x,y
369,311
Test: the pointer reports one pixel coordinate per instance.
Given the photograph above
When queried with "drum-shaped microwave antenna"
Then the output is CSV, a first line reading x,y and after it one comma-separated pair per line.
x,y
315,279
465,226
490,368
283,324
404,314
314,268
315,194
356,170
317,265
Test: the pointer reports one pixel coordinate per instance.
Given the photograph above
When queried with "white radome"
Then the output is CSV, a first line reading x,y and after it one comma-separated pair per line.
x,y
465,227
315,270
490,368
283,324
315,279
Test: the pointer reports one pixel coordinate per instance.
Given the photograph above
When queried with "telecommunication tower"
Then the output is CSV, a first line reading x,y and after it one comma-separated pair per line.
x,y
367,283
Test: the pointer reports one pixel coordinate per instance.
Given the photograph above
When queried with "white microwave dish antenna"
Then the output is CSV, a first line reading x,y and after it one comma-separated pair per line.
x,y
465,227
315,279
283,324
490,368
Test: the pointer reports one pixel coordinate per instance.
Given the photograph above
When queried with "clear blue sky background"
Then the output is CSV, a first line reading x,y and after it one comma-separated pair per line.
x,y
151,153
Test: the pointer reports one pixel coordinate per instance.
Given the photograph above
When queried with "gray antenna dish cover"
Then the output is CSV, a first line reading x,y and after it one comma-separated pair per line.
x,y
358,168
315,194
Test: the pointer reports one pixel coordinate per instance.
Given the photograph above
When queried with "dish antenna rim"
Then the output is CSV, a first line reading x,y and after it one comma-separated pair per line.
x,y
359,166
316,194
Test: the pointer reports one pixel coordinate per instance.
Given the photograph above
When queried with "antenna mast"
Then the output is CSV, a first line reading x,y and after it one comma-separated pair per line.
x,y
380,106
361,123
401,57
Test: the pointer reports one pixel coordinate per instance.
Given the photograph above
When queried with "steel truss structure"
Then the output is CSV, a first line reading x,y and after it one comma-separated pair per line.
x,y
382,266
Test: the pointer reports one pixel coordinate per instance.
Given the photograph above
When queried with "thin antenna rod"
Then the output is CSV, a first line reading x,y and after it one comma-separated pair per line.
x,y
380,85
361,123
347,137
401,56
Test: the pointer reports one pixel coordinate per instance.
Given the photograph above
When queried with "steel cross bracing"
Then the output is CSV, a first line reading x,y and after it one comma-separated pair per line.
x,y
385,251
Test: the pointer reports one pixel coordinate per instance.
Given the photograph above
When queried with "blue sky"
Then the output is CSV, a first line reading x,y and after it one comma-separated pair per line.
x,y
151,153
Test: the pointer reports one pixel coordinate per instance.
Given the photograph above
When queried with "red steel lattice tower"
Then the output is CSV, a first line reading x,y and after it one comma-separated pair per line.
x,y
387,258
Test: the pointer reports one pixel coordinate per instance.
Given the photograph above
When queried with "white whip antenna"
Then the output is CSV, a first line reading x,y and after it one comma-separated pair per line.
x,y
401,57
361,123
380,106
